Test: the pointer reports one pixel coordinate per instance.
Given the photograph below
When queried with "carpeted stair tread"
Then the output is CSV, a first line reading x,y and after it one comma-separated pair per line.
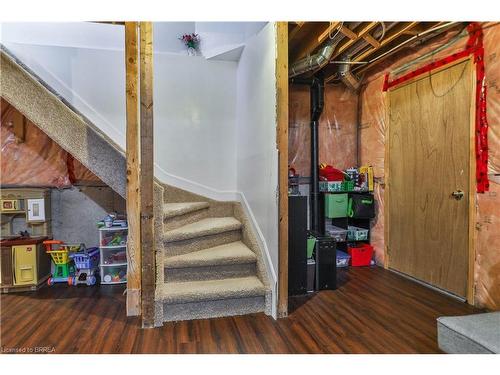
x,y
197,291
171,210
231,253
204,227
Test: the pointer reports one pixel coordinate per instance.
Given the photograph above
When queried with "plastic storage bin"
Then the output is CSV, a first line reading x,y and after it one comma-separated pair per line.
x,y
330,186
339,234
361,255
356,234
113,238
114,274
116,256
342,259
336,205
348,186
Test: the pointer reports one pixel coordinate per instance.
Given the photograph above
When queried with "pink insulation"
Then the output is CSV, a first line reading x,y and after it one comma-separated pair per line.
x,y
37,161
373,108
337,128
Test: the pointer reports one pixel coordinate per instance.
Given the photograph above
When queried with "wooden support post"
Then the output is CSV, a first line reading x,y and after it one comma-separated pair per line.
x,y
133,170
148,271
282,143
19,126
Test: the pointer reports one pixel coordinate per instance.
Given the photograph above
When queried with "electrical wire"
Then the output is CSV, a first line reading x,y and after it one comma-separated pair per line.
x,y
449,89
337,31
383,31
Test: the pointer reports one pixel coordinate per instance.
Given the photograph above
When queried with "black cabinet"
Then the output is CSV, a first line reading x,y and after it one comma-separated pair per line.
x,y
297,245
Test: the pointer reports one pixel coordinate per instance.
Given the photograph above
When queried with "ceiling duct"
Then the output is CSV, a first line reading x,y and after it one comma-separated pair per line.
x,y
346,76
319,59
345,61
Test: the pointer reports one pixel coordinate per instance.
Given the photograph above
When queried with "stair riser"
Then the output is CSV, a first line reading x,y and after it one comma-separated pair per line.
x,y
188,218
210,272
201,243
213,309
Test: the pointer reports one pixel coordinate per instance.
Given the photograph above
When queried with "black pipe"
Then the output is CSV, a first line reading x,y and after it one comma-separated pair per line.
x,y
317,103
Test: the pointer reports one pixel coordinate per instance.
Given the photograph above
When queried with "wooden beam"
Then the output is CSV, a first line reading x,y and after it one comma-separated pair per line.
x,y
282,143
307,43
295,31
148,271
389,38
19,126
349,42
133,170
325,34
348,33
374,42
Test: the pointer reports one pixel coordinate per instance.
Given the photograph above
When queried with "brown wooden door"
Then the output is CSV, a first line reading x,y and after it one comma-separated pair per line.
x,y
429,158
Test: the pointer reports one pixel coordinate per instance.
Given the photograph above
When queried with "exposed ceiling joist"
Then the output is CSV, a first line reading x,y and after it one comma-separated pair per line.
x,y
398,31
333,26
306,40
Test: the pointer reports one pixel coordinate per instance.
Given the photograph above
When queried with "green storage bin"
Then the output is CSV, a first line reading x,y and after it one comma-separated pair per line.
x,y
311,242
336,205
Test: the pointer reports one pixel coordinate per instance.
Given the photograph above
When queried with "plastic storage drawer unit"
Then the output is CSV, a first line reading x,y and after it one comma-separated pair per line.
x,y
335,205
361,255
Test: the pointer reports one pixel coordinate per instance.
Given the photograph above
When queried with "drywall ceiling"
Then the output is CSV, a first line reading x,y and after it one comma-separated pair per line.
x,y
219,40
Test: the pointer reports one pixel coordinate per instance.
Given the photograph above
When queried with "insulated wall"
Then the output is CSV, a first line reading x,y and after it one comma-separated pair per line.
x,y
373,121
337,128
36,160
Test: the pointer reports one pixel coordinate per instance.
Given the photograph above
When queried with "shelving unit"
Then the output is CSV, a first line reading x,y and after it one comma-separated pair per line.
x,y
345,222
113,262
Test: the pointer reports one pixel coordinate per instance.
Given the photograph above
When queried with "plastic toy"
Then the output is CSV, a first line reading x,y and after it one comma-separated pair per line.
x,y
64,266
87,265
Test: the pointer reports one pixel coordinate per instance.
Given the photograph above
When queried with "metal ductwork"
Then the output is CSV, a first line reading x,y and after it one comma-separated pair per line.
x,y
345,60
318,60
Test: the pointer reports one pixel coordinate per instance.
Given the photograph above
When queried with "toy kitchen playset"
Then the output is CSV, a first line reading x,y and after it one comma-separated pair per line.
x,y
25,224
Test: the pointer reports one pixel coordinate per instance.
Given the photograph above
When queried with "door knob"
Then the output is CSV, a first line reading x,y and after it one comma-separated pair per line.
x,y
458,194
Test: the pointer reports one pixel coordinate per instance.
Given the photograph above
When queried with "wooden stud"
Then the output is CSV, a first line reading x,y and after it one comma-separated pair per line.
x,y
387,181
472,191
282,140
148,271
133,171
19,126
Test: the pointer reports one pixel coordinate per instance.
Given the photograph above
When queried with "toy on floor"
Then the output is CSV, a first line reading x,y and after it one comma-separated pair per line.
x,y
64,266
87,266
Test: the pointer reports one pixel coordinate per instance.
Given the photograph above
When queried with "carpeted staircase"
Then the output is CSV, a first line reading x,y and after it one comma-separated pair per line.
x,y
208,262
210,265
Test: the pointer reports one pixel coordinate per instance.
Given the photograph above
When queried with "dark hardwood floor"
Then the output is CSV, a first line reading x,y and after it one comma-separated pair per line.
x,y
372,311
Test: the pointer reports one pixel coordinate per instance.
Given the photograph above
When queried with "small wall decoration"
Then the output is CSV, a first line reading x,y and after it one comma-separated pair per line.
x,y
192,42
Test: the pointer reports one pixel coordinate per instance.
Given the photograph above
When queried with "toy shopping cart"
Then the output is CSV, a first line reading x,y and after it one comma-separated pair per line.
x,y
87,263
64,266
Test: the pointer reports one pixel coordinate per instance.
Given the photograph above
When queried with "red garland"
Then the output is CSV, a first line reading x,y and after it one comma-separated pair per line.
x,y
474,47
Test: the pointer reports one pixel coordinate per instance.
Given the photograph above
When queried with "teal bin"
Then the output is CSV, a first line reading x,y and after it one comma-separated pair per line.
x,y
311,242
336,205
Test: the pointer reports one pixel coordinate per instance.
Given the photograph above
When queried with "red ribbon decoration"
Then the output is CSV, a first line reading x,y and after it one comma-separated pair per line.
x,y
473,47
